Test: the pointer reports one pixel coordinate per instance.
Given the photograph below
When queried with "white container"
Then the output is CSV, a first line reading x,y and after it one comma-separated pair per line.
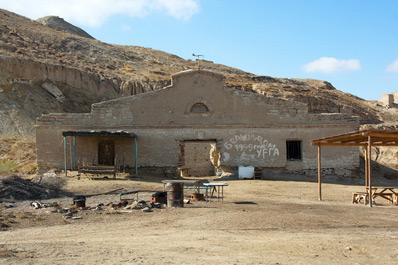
x,y
246,172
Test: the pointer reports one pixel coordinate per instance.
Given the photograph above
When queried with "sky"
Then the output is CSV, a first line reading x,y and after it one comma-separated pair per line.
x,y
352,44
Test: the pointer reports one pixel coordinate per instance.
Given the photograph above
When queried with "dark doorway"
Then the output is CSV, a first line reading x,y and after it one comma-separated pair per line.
x,y
106,153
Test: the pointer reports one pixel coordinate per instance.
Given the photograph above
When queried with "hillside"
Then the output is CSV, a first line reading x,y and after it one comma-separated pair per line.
x,y
48,70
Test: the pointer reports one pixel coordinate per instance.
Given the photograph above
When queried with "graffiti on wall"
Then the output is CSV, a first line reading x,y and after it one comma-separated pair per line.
x,y
250,147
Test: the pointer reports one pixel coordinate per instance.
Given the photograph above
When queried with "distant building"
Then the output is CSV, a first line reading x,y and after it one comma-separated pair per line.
x,y
199,126
389,100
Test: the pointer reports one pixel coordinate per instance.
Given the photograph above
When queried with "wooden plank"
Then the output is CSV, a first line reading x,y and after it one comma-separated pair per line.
x,y
341,144
98,171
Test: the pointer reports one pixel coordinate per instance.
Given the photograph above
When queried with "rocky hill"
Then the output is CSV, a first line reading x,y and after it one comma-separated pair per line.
x,y
58,23
56,69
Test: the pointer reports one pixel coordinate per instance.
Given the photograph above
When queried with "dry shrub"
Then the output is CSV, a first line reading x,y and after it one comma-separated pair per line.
x,y
28,169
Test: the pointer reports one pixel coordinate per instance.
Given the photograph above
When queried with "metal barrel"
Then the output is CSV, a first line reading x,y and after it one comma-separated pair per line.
x,y
175,194
79,201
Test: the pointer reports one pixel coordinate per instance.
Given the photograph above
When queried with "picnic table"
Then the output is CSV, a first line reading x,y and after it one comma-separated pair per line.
x,y
388,193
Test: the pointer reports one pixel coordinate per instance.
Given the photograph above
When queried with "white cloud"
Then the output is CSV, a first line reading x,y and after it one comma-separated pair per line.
x,y
393,67
331,65
95,12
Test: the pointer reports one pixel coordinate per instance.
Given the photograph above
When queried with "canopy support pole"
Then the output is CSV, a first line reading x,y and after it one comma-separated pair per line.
x,y
369,155
135,155
74,153
366,166
319,174
66,174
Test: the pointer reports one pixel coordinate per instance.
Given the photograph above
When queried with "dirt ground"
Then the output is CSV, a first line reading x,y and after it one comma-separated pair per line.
x,y
274,221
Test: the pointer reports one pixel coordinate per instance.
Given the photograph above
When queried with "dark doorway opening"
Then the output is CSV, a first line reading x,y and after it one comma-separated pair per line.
x,y
106,153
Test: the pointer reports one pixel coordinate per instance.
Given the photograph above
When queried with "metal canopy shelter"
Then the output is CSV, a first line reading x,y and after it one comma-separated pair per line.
x,y
364,138
95,133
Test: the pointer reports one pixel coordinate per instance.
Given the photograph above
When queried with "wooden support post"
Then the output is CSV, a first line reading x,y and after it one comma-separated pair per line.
x,y
369,155
366,166
319,174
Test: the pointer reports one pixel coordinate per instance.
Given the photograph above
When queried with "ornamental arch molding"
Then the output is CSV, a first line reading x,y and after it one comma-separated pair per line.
x,y
199,106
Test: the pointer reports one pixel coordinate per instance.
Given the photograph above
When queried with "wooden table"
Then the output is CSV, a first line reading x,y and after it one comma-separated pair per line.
x,y
388,193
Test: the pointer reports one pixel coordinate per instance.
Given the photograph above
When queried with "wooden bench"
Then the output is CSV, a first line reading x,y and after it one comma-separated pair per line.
x,y
358,196
98,170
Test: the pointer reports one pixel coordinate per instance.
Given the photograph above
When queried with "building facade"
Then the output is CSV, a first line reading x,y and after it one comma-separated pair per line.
x,y
199,126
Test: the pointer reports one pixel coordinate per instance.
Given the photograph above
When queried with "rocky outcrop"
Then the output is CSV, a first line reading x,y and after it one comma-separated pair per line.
x,y
30,88
58,23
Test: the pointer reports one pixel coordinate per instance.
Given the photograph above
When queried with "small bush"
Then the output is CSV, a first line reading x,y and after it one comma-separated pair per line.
x,y
7,165
127,68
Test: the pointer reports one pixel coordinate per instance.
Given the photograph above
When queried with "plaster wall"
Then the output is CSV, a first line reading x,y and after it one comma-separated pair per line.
x,y
249,129
259,147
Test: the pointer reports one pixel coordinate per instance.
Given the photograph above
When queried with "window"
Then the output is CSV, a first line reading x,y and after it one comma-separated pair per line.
x,y
199,108
293,150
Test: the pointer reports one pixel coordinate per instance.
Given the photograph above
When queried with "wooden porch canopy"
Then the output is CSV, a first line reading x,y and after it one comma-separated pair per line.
x,y
364,138
96,133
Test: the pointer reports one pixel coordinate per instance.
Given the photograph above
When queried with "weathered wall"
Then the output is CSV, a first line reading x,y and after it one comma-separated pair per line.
x,y
171,107
260,147
249,129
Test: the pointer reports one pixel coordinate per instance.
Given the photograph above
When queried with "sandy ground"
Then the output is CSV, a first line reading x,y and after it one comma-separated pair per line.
x,y
259,222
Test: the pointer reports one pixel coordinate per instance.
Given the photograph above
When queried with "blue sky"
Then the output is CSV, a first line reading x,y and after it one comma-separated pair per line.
x,y
351,43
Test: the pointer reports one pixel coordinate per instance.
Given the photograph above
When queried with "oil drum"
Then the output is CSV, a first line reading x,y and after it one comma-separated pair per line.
x,y
175,194
79,201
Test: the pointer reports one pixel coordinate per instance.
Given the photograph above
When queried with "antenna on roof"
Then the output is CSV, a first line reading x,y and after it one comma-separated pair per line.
x,y
198,56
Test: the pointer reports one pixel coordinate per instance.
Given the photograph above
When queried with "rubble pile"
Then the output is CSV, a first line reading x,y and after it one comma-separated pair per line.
x,y
14,187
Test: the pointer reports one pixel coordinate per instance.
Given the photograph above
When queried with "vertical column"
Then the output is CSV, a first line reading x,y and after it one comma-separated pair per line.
x,y
319,174
366,166
135,155
369,155
66,174
74,153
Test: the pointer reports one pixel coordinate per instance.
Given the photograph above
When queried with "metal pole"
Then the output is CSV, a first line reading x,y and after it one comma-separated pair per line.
x,y
74,153
319,174
66,174
369,156
135,156
71,153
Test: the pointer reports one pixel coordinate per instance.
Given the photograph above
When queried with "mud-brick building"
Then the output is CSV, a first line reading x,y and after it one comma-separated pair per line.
x,y
197,125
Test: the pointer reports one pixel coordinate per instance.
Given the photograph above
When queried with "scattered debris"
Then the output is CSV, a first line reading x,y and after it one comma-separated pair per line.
x,y
76,218
147,210
36,204
116,191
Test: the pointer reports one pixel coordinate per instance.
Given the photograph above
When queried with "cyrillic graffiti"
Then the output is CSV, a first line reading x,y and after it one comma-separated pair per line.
x,y
254,146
